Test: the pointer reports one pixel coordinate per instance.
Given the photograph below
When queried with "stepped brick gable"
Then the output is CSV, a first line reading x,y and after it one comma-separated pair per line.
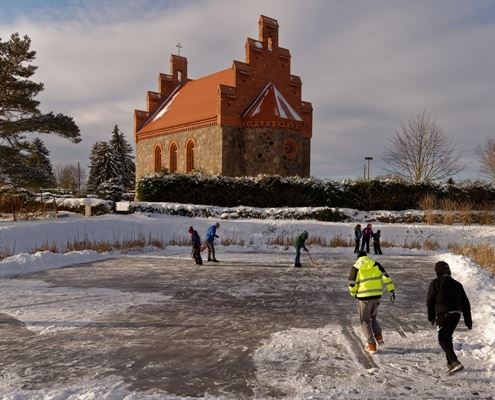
x,y
246,120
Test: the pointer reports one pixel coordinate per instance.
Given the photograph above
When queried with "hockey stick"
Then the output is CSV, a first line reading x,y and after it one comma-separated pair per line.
x,y
311,258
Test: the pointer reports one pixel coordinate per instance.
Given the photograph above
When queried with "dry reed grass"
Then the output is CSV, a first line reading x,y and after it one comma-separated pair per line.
x,y
486,217
428,204
465,212
99,246
226,241
4,253
448,207
414,244
481,254
339,241
280,240
430,245
449,212
46,246
317,240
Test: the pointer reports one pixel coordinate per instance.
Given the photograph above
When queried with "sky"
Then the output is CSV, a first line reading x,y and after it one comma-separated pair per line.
x,y
409,371
367,67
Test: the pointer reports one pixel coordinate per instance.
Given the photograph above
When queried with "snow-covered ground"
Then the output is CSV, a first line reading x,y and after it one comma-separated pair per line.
x,y
246,239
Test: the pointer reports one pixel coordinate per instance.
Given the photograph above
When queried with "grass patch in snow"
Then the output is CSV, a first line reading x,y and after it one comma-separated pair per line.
x,y
482,254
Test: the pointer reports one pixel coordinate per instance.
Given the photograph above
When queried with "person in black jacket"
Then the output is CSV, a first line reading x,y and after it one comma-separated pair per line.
x,y
196,246
376,243
446,301
357,237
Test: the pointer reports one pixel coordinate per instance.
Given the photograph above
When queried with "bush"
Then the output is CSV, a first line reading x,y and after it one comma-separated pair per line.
x,y
18,202
275,191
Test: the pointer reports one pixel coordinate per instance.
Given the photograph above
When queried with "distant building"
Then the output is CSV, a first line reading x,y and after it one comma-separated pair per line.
x,y
246,120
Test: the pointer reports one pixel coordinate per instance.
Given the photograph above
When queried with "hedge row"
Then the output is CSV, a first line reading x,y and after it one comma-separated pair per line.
x,y
276,191
318,213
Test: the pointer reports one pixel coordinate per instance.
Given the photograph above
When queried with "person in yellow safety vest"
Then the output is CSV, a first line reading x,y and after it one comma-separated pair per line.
x,y
366,281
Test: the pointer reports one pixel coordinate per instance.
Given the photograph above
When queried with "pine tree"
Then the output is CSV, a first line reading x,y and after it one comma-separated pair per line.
x,y
94,172
123,157
40,166
19,112
112,168
103,166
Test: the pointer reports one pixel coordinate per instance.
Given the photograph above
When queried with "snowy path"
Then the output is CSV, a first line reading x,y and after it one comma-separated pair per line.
x,y
249,327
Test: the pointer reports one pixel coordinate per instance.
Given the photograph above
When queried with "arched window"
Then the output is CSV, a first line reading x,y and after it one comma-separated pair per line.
x,y
189,155
173,157
158,158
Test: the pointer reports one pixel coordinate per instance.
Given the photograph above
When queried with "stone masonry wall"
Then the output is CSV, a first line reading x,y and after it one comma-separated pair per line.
x,y
231,152
207,151
270,151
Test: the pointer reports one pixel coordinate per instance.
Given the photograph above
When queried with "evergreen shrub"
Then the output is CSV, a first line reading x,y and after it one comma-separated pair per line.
x,y
275,191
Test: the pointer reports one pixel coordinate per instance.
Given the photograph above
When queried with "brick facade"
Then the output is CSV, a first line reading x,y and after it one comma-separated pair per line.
x,y
243,121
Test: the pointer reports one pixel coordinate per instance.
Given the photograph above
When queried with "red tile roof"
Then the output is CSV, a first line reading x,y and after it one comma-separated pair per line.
x,y
195,102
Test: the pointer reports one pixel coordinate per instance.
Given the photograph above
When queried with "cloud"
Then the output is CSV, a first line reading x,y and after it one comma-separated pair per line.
x,y
366,66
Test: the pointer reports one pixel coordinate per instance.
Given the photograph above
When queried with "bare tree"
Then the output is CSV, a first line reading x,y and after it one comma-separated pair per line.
x,y
70,177
487,158
422,152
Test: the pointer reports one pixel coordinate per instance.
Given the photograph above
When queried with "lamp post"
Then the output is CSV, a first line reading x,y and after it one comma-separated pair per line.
x,y
368,159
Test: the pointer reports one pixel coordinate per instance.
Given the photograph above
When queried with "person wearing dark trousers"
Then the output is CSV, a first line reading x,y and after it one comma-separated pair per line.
x,y
196,246
357,237
367,234
376,242
446,301
300,243
367,279
211,234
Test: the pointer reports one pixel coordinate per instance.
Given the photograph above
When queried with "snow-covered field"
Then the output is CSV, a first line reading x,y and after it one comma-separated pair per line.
x,y
252,237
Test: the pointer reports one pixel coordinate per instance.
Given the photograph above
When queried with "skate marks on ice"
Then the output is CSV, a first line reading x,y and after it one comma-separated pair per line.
x,y
331,363
53,339
240,329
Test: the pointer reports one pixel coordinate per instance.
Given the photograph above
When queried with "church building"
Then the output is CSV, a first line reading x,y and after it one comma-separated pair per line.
x,y
245,120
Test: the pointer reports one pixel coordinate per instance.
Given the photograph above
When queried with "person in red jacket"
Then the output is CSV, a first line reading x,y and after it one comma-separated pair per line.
x,y
446,301
366,236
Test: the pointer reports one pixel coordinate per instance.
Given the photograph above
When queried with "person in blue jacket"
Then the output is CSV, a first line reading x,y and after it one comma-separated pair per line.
x,y
211,234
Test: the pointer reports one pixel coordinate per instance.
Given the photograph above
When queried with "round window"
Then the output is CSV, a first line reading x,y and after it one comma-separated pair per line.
x,y
289,148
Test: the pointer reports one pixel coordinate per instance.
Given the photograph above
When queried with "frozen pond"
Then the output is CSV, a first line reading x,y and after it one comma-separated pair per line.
x,y
251,326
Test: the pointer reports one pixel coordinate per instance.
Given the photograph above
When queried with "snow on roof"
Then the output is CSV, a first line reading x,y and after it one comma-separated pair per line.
x,y
167,104
194,101
284,108
270,101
